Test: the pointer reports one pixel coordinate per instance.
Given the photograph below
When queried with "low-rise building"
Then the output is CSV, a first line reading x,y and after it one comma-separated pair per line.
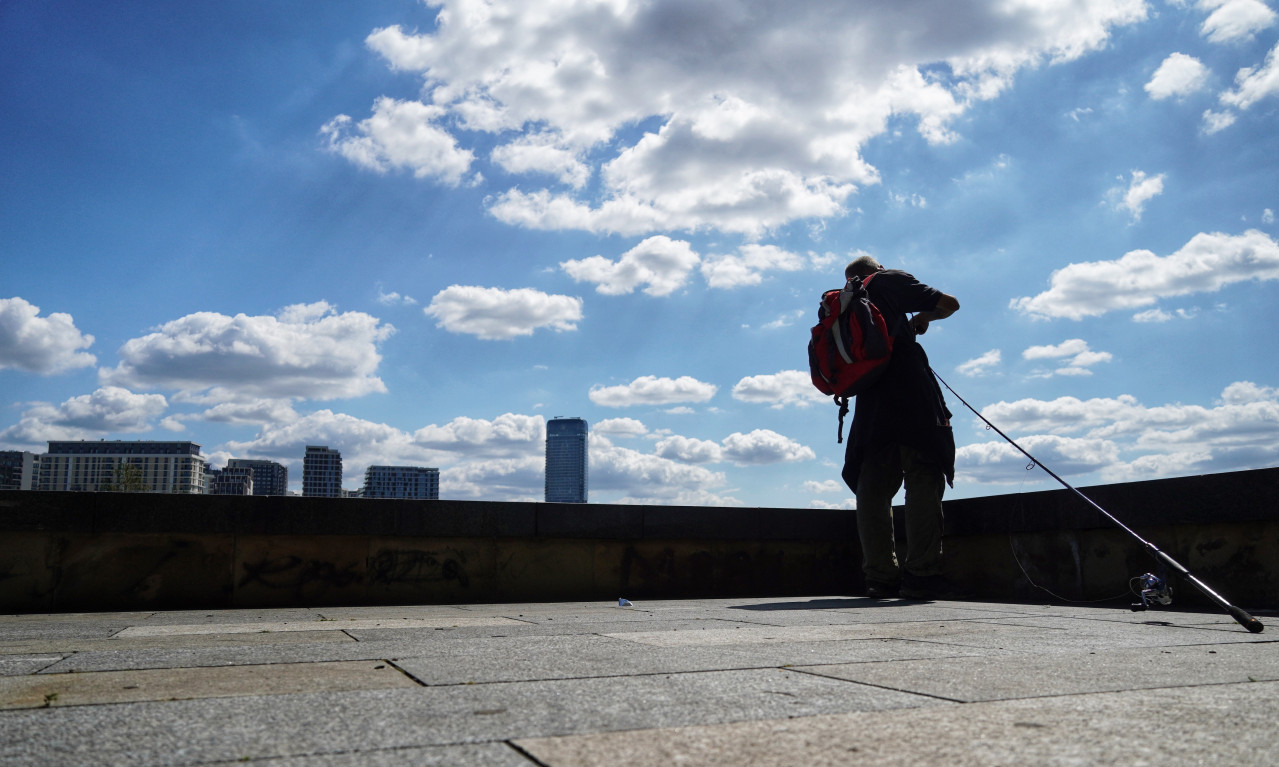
x,y
416,482
269,477
19,470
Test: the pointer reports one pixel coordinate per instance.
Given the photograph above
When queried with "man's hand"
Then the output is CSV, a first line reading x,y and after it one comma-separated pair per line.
x,y
946,306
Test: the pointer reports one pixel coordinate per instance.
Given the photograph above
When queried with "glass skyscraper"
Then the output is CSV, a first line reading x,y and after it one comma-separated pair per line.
x,y
567,460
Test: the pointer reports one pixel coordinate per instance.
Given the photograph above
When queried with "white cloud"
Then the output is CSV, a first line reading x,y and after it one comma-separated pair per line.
x,y
748,265
1207,263
828,486
1126,440
394,299
659,262
686,450
651,390
500,459
620,427
1235,20
1074,354
784,321
36,344
651,479
1267,216
505,435
1001,463
401,134
542,153
110,409
787,387
495,314
260,411
1252,84
980,365
1215,122
1141,189
763,446
1179,75
306,351
763,108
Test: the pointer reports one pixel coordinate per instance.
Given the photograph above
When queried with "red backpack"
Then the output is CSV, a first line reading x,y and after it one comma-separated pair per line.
x,y
850,346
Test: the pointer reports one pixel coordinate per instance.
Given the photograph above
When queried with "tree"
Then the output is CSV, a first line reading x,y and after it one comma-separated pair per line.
x,y
128,479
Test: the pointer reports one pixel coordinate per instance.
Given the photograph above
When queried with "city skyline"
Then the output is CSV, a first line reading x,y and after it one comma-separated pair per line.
x,y
416,231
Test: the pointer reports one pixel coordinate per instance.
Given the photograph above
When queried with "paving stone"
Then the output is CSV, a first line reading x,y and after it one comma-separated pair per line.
x,y
56,690
1027,676
17,665
1231,724
480,754
22,631
274,615
228,729
828,633
547,628
320,624
177,641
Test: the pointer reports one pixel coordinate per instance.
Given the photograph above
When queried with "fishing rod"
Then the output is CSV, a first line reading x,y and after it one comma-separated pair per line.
x,y
1155,590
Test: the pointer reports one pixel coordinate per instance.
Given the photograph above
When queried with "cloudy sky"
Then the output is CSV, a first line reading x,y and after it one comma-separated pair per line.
x,y
416,231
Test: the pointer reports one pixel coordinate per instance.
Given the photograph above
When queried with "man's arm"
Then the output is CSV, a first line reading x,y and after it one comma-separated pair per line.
x,y
946,306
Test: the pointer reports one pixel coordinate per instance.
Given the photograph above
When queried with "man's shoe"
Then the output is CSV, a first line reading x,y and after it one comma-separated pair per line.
x,y
929,587
876,590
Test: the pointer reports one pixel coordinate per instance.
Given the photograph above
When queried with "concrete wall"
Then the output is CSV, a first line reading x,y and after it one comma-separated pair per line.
x,y
109,551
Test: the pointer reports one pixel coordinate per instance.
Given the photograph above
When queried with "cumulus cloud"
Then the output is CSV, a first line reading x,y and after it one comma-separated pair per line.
x,y
747,267
1235,20
620,427
110,409
979,366
1179,75
1252,84
542,153
1207,263
259,411
394,299
651,390
763,446
660,263
1141,189
401,134
501,459
687,450
644,478
827,486
761,109
36,344
306,351
496,314
1074,356
787,387
1125,440
1001,463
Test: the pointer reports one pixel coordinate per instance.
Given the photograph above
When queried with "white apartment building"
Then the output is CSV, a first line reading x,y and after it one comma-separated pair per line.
x,y
84,465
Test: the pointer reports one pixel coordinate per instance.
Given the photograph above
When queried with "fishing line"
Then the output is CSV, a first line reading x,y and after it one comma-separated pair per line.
x,y
1019,509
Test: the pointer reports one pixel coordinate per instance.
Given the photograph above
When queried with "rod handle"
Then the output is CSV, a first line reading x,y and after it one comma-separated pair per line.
x,y
1246,620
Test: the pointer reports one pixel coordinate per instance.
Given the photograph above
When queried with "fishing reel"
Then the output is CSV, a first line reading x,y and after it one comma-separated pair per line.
x,y
1155,591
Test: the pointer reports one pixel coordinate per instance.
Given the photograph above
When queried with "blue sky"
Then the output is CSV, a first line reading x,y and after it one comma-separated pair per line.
x,y
415,232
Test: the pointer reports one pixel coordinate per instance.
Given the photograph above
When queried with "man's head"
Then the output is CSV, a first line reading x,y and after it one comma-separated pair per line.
x,y
862,267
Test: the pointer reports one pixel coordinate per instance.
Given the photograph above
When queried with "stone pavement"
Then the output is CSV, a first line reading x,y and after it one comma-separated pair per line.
x,y
796,681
